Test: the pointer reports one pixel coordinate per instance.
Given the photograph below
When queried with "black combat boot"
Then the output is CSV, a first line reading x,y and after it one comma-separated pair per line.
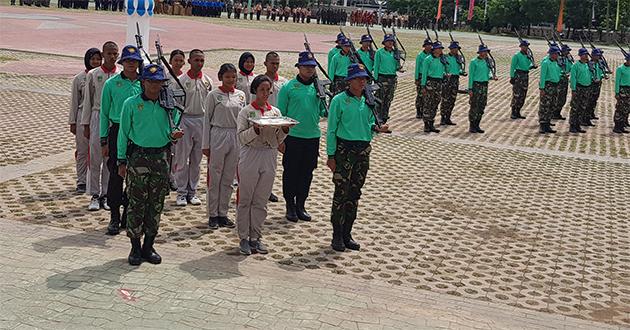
x,y
291,211
347,236
479,130
301,210
473,127
514,114
586,122
337,239
114,221
432,127
148,252
427,126
520,116
542,129
548,128
447,121
135,256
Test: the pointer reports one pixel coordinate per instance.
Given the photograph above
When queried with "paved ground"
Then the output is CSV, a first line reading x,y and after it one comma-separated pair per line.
x,y
508,229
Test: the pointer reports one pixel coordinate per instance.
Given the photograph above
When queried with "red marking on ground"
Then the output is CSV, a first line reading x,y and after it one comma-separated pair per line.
x,y
127,295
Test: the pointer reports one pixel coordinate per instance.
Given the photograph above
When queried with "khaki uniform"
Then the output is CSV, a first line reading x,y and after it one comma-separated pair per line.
x,y
74,118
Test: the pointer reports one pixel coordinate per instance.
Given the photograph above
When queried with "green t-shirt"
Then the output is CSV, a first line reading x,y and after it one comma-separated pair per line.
x,y
580,74
419,58
479,71
550,71
432,67
339,66
116,90
143,122
350,119
453,66
520,62
331,53
384,62
366,59
622,77
300,102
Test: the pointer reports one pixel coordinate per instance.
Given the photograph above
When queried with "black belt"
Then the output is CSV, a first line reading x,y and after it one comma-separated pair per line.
x,y
353,144
148,150
583,86
387,75
480,82
551,83
522,71
435,79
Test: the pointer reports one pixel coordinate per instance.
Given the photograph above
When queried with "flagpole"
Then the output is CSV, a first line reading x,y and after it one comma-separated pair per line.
x,y
617,20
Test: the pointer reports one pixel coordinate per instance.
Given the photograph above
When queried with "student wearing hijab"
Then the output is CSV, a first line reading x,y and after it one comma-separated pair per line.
x,y
92,59
245,75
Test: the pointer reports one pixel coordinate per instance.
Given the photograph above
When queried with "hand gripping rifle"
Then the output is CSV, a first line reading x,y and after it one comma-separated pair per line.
x,y
602,61
492,64
591,64
530,54
400,53
373,45
168,97
320,85
460,58
370,99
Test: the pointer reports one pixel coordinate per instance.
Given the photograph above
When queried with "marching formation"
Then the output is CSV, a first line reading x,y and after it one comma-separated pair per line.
x,y
143,129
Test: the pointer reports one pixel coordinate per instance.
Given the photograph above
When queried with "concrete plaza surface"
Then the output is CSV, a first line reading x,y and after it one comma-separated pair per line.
x,y
509,229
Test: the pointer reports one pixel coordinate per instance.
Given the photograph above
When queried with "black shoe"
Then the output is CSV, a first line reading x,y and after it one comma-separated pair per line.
x,y
213,223
548,128
291,211
148,252
135,256
347,236
301,211
80,188
587,123
427,127
593,117
432,127
273,198
514,114
337,239
551,124
113,228
542,128
449,122
479,130
617,129
226,222
520,116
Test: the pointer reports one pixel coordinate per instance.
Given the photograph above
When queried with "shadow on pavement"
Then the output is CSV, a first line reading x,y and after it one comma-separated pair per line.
x,y
86,239
107,274
220,265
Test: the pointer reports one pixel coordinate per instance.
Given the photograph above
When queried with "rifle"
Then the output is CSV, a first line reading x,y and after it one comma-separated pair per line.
x,y
320,85
373,45
370,89
428,36
168,97
530,54
400,53
556,37
460,58
492,64
623,51
562,59
602,61
591,64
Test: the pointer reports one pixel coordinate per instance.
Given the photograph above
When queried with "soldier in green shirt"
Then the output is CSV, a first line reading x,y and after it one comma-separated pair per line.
x,y
451,84
338,68
351,125
596,87
550,74
622,94
581,80
366,52
519,78
427,45
144,141
385,66
433,72
116,90
335,50
298,100
566,62
478,76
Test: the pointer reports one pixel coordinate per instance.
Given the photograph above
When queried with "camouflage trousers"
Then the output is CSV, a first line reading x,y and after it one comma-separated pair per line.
x,y
432,98
563,88
386,95
478,101
596,89
519,90
338,85
147,185
449,95
419,101
622,108
548,102
579,103
353,161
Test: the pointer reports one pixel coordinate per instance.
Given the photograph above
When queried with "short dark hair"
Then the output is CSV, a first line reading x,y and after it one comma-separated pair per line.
x,y
192,52
175,53
271,54
258,81
226,67
108,44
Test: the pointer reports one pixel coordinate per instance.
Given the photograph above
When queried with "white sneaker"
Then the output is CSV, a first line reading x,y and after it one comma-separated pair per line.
x,y
195,200
105,205
95,204
181,201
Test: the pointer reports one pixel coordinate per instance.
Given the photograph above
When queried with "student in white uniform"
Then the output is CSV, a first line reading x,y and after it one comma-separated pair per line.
x,y
220,145
188,150
245,76
90,119
256,165
272,64
177,60
92,59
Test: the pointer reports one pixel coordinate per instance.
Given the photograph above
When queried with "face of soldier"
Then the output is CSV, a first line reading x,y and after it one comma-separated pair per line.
x,y
130,66
389,44
96,60
524,49
229,79
357,85
272,64
345,49
584,57
365,45
483,55
249,64
453,51
262,92
152,88
177,62
110,54
595,57
428,48
196,62
554,56
437,52
306,72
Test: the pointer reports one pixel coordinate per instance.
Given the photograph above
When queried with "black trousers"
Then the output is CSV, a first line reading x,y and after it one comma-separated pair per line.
x,y
299,162
116,196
